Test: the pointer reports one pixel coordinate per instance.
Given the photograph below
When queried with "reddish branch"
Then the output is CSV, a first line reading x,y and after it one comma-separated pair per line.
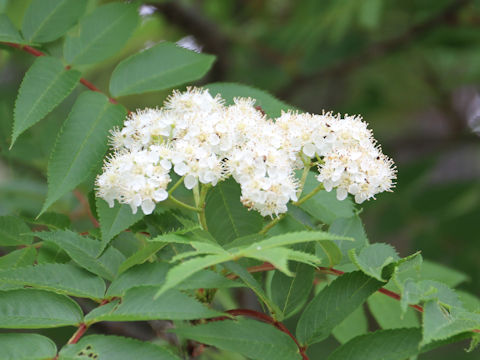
x,y
38,53
78,334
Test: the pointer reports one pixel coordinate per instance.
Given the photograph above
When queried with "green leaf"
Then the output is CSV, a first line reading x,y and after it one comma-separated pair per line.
x,y
81,143
32,309
60,278
44,86
208,279
86,252
270,250
145,274
14,231
324,205
333,304
291,293
139,304
440,323
251,338
374,258
53,220
47,20
17,258
351,227
114,348
328,252
141,256
114,220
101,33
469,301
271,105
227,218
253,284
407,268
27,347
8,32
155,273
154,245
354,325
433,271
163,66
388,313
426,290
189,267
296,237
398,344
280,256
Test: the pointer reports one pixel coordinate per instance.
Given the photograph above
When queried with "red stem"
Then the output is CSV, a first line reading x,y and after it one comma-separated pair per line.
x,y
38,53
78,334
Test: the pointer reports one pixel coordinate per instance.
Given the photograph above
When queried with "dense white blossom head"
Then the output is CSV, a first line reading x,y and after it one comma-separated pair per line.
x,y
135,178
198,137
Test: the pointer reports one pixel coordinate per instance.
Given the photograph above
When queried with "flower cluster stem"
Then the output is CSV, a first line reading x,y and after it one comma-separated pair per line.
x,y
199,197
185,206
174,187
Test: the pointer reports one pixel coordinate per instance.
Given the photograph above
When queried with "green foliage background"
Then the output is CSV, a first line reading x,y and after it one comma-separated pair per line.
x,y
409,67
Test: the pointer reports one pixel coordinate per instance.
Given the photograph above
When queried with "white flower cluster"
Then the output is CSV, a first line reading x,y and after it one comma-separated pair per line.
x,y
351,161
204,141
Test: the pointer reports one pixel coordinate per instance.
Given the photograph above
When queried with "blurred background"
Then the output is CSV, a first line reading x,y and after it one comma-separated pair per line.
x,y
411,68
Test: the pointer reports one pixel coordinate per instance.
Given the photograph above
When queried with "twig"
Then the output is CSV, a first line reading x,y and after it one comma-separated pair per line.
x,y
78,334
